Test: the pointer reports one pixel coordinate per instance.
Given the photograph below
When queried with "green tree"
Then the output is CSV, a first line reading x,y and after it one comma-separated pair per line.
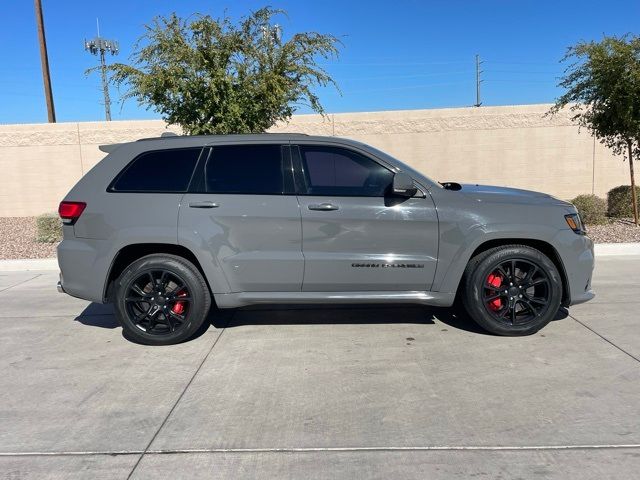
x,y
213,76
602,85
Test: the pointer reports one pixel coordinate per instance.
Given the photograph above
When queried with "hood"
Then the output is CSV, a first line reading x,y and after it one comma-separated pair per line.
x,y
490,193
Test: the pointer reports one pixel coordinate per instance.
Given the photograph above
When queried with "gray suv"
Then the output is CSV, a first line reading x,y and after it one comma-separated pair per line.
x,y
165,227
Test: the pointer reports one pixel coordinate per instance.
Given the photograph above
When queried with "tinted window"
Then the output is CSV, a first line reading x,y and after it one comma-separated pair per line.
x,y
337,171
159,171
252,169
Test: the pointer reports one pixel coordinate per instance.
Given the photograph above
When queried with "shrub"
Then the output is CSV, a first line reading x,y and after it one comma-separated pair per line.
x,y
592,209
619,200
48,228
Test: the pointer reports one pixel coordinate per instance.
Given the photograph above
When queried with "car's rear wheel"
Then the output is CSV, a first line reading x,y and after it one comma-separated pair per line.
x,y
512,290
161,299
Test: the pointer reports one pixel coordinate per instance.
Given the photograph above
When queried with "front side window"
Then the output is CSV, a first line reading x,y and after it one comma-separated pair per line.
x,y
161,171
336,171
248,169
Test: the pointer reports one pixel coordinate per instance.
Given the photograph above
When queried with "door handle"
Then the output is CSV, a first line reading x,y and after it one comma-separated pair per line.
x,y
203,204
323,207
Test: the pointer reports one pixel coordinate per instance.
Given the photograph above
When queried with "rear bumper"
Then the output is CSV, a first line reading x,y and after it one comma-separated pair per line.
x,y
84,264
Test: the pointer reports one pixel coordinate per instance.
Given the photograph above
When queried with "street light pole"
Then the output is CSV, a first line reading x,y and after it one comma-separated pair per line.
x,y
44,60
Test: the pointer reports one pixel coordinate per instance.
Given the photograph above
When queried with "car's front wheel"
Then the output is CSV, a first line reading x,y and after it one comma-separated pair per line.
x,y
161,299
512,290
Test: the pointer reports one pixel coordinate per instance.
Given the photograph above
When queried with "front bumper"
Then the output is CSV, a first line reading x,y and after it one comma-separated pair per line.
x,y
576,252
583,297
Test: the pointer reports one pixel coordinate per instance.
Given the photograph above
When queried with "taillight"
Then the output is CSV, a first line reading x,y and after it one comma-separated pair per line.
x,y
70,211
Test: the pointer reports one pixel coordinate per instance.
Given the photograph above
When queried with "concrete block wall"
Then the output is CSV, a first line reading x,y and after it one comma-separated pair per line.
x,y
514,146
40,163
517,146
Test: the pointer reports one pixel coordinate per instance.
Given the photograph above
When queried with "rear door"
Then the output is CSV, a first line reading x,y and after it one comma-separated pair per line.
x,y
356,237
243,216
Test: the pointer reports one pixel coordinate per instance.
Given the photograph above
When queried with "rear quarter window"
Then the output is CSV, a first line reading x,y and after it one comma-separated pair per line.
x,y
160,171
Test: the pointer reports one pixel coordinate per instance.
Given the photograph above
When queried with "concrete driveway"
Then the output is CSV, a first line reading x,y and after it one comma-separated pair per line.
x,y
378,392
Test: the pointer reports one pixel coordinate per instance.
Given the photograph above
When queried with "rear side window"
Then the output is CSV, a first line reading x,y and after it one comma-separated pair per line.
x,y
336,171
248,169
159,171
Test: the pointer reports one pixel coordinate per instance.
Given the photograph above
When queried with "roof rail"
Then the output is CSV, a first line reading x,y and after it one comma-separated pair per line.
x,y
170,135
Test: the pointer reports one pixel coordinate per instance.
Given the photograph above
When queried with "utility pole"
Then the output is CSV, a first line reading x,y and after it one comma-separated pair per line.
x,y
100,46
478,80
44,60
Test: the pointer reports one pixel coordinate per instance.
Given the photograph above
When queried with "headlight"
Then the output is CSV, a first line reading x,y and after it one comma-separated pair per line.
x,y
575,223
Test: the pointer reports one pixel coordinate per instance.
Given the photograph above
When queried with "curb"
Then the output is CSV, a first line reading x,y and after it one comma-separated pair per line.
x,y
616,249
28,264
51,264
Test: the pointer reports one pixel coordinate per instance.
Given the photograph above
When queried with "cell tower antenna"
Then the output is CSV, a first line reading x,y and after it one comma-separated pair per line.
x,y
100,46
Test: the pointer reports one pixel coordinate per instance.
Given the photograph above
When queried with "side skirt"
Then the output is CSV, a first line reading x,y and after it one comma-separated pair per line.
x,y
234,300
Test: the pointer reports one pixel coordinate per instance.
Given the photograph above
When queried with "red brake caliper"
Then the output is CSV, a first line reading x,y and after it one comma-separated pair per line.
x,y
495,280
179,307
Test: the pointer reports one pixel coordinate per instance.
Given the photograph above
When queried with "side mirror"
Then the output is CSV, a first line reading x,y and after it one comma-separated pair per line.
x,y
403,185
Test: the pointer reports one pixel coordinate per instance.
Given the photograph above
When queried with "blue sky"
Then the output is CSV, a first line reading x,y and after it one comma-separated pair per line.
x,y
405,54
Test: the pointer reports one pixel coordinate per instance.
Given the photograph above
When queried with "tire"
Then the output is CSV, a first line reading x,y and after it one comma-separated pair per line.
x,y
507,304
161,299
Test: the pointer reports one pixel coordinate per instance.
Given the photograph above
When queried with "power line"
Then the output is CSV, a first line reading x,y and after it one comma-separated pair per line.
x,y
521,63
406,87
394,77
386,64
528,72
518,80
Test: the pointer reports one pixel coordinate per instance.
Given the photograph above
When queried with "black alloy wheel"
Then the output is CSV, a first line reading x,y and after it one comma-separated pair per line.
x,y
161,299
158,302
516,291
511,290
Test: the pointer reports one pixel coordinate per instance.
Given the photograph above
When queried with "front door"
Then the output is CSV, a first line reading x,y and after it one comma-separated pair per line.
x,y
356,237
243,216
